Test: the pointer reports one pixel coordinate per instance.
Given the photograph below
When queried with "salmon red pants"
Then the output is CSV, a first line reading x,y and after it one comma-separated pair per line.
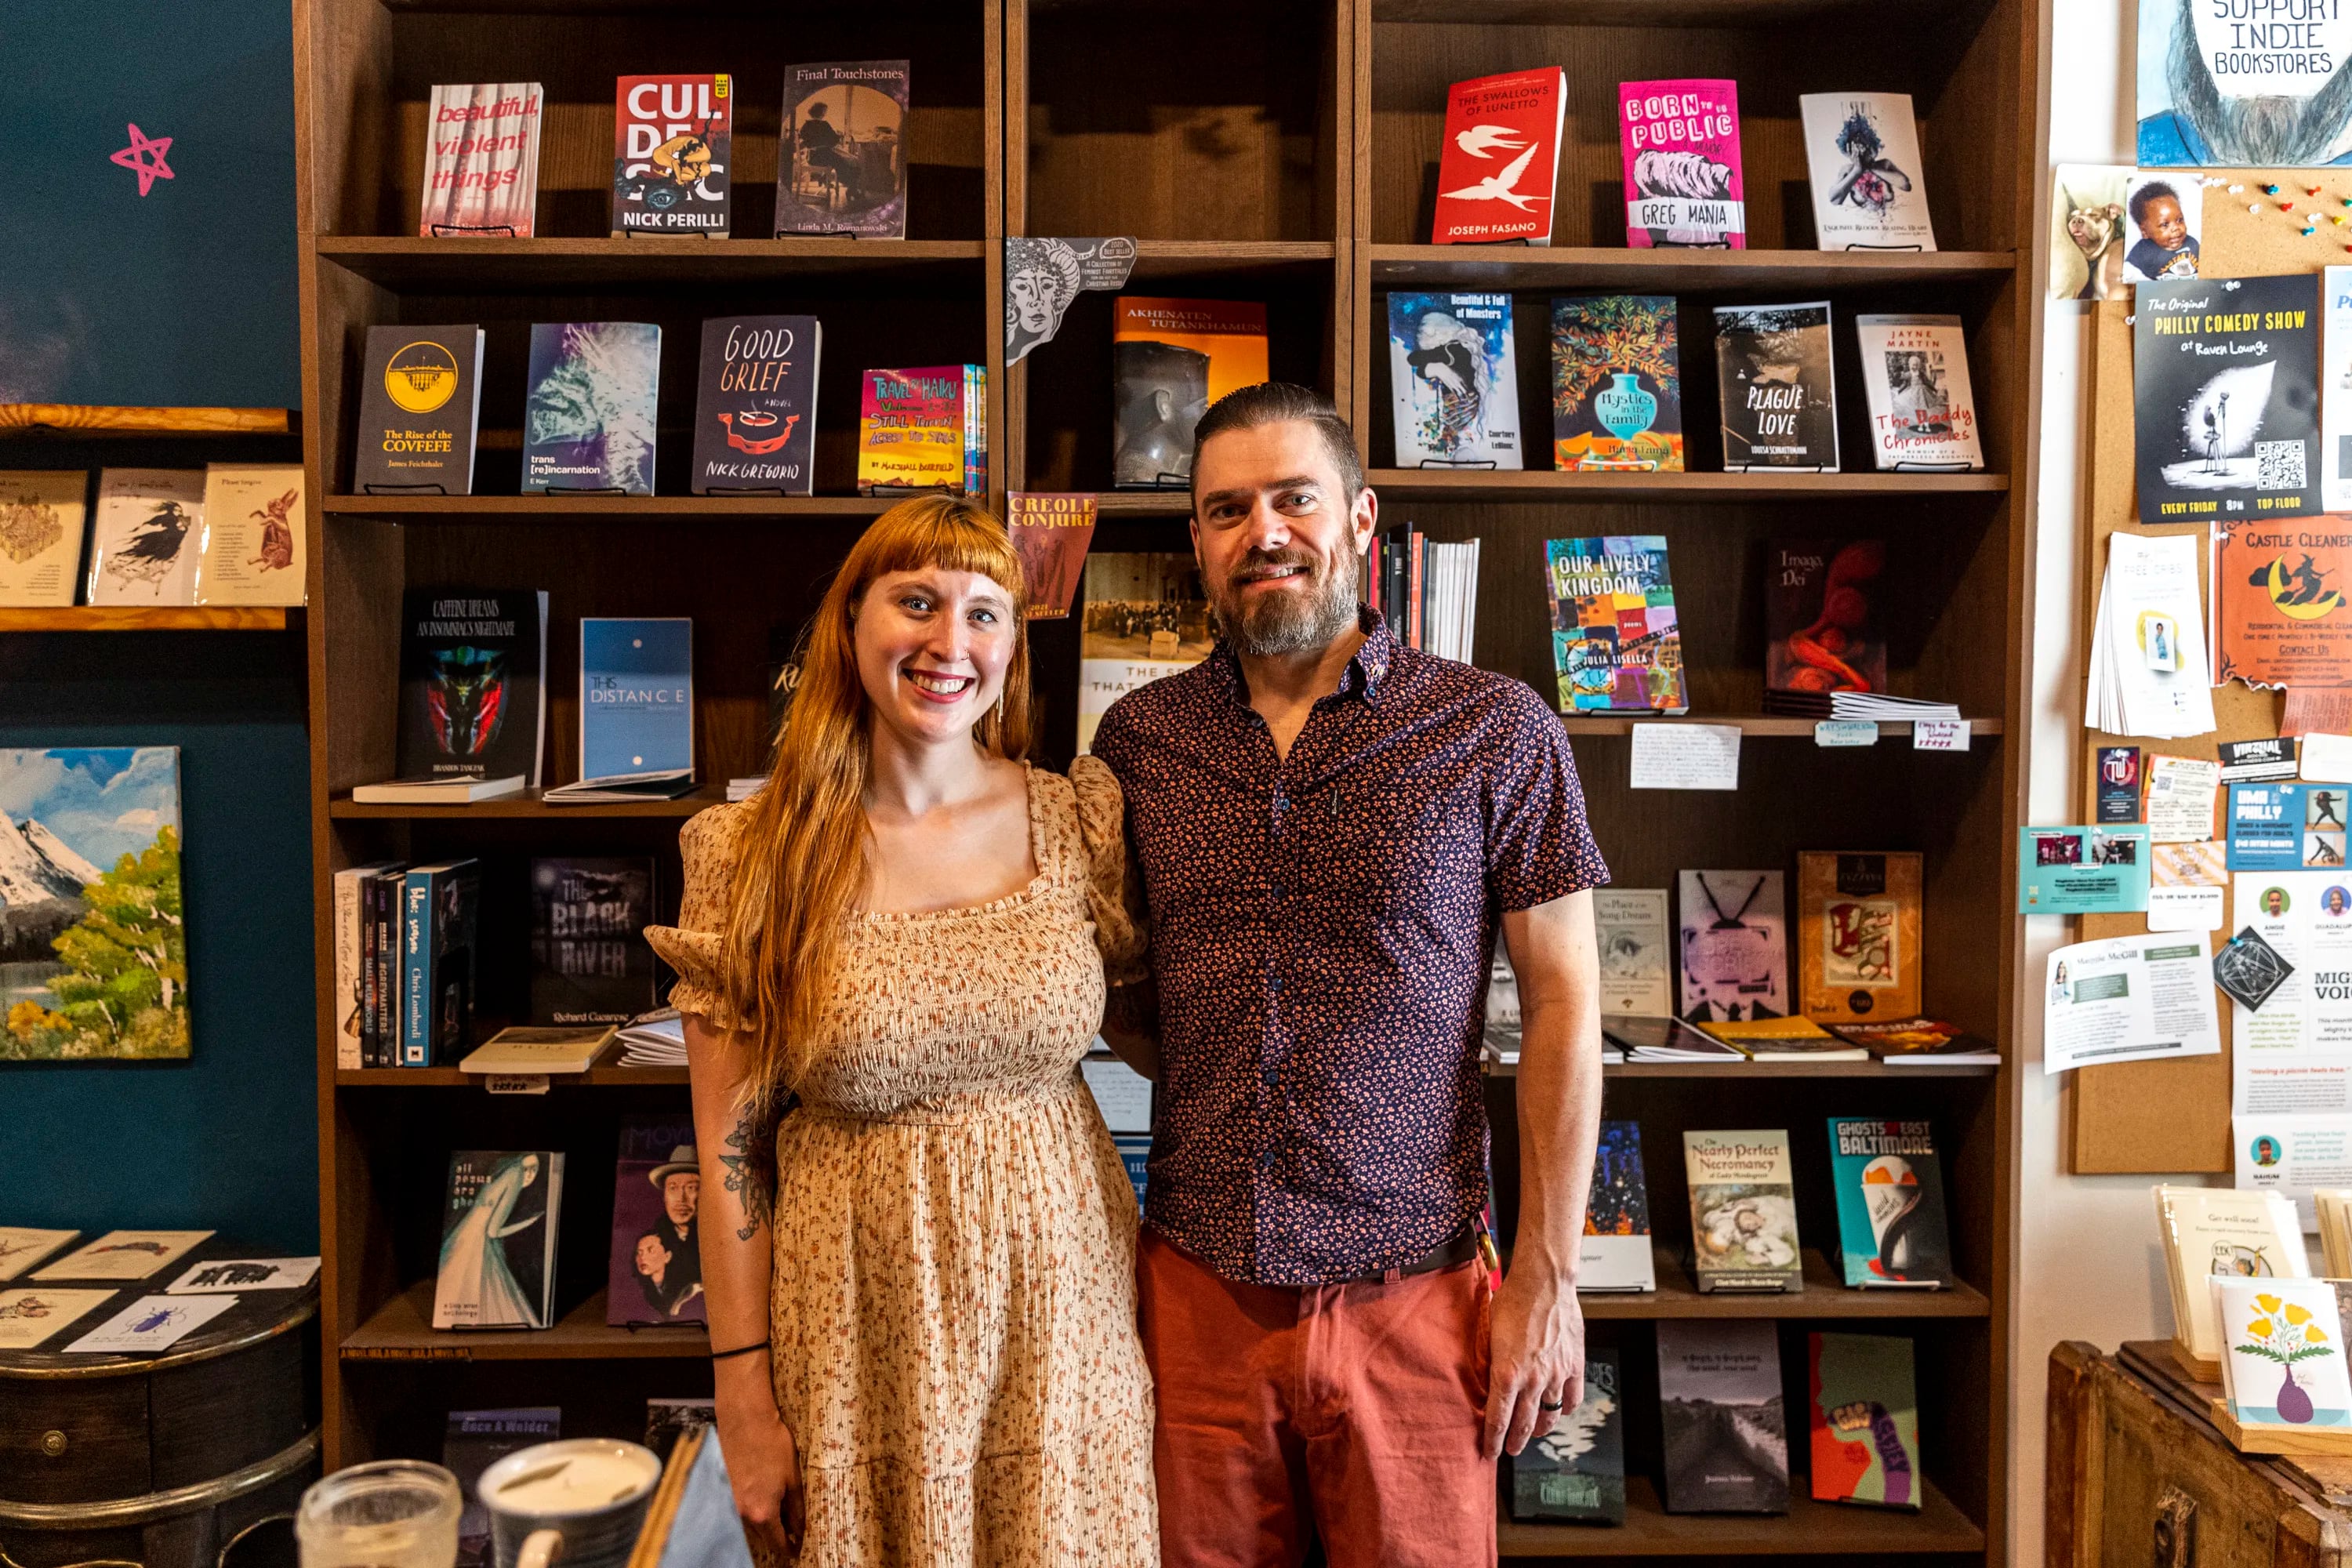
x,y
1355,1407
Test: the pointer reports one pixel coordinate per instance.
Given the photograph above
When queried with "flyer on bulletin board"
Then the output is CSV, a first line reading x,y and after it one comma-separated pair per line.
x,y
2287,826
2090,870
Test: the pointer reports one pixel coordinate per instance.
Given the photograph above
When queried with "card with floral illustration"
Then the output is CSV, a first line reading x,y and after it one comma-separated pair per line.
x,y
2282,1360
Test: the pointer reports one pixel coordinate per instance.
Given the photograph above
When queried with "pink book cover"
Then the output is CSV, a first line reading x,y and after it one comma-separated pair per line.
x,y
1681,142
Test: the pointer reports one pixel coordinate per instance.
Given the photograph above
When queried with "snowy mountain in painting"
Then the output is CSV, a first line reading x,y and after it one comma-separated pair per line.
x,y
36,865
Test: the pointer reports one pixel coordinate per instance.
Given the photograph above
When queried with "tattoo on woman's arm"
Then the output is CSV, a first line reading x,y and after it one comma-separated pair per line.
x,y
743,1182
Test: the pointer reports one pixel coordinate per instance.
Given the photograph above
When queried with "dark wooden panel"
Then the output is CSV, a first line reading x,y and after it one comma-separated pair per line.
x,y
105,1425
219,1415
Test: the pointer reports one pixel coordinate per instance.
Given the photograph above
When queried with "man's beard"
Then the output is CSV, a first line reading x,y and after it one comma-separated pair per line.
x,y
2262,132
1282,623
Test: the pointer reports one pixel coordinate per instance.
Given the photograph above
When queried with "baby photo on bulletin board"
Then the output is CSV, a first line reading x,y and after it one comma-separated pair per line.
x,y
2111,227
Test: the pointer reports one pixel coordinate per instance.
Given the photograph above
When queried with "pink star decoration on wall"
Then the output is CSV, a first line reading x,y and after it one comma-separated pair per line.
x,y
146,157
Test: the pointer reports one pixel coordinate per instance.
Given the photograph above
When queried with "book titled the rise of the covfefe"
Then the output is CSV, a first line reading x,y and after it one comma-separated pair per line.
x,y
500,1215
1735,946
842,168
589,960
672,138
1680,140
420,405
440,922
1616,383
1864,1416
1050,532
1616,644
1778,389
1743,1211
1615,1252
474,1441
1454,379
1923,413
1721,1417
588,420
1870,192
42,521
916,430
143,537
636,697
253,550
755,407
1500,160
1822,626
473,701
1170,360
1858,935
481,161
2225,397
1892,1228
1576,1471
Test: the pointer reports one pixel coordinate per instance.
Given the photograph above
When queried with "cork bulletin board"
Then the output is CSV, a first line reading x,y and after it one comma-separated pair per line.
x,y
2167,1117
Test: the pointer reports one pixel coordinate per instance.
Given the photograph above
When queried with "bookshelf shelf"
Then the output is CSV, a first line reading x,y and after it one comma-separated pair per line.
x,y
529,804
1824,1298
1761,725
1679,271
84,419
1809,1529
1873,1068
615,1076
1547,484
504,266
144,618
1157,260
402,1330
609,509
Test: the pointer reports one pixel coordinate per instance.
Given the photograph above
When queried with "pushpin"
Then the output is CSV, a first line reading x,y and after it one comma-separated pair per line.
x,y
2311,190
2287,206
2253,206
2270,190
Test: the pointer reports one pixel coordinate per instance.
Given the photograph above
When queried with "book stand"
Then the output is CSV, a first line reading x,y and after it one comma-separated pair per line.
x,y
427,488
481,231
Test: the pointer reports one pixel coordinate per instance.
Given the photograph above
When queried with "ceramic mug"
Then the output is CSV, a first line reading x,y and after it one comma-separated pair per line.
x,y
578,1503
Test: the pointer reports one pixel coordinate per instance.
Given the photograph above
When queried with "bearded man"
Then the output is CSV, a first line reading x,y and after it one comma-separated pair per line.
x,y
2248,103
1331,830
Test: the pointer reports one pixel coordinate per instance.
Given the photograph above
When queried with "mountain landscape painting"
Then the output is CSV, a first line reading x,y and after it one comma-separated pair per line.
x,y
93,951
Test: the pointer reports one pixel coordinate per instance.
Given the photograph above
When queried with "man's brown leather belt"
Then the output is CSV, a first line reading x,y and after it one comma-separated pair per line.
x,y
1444,1255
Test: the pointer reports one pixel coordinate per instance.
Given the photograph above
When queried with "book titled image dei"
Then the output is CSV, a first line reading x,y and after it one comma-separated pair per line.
x,y
636,697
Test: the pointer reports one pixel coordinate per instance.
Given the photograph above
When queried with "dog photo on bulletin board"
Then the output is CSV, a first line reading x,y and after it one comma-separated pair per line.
x,y
2111,227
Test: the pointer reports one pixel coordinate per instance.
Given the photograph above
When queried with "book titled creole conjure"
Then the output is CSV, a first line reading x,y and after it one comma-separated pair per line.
x,y
1050,532
1680,140
842,168
1498,164
755,408
671,142
1616,383
1616,643
481,160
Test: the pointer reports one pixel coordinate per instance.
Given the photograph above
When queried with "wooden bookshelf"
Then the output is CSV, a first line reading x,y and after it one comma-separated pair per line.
x,y
145,618
1279,150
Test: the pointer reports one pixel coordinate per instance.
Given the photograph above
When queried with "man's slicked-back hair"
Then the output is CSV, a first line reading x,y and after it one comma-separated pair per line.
x,y
1281,403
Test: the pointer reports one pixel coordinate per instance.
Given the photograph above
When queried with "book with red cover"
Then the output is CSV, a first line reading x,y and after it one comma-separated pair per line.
x,y
1821,617
1681,143
671,138
1050,533
1500,157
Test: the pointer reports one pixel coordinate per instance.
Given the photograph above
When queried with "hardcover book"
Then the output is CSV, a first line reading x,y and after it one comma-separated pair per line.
x,y
1680,140
1915,371
500,1214
474,1440
473,695
1615,1254
1616,645
655,1270
1050,532
439,913
672,140
1892,1228
1498,164
1743,1212
481,160
1863,1412
842,167
1858,938
1453,381
1170,359
1870,192
923,430
1719,1412
589,414
42,521
636,697
2209,1231
1780,392
589,960
1735,956
252,550
1146,615
1576,1471
2225,397
755,407
420,407
1616,383
1636,954
1821,617
143,537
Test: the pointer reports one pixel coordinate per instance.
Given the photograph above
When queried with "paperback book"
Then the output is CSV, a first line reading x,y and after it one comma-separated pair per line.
x,y
1734,938
1823,628
1170,360
923,430
1793,1039
1864,1409
143,537
352,1046
251,550
1636,953
670,1421
1576,1471
1870,192
420,407
655,1272
1615,1254
1616,383
637,699
672,140
1858,935
440,914
589,960
474,1440
1743,1212
755,407
481,161
1778,389
1680,140
530,1050
1453,381
42,521
1892,1228
1915,371
2225,397
1899,1042
1146,616
380,896
500,1214
589,411
1050,533
1720,1414
1498,164
1668,1039
1616,644
472,694
843,168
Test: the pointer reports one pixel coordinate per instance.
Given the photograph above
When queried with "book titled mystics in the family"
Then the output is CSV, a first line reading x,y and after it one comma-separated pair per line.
x,y
1778,389
1680,141
1721,1416
1892,1230
755,406
672,138
499,1221
1497,167
1616,383
589,960
1858,935
1743,1211
420,404
473,704
1616,644
2225,397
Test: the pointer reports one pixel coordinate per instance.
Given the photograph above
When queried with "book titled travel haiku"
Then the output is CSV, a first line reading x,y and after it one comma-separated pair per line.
x,y
1636,953
842,169
1050,532
420,405
473,701
1499,163
41,528
1822,626
1778,390
1576,1471
1615,1253
1681,145
589,960
1454,381
1915,371
481,161
1858,942
1170,360
755,407
589,413
923,429
498,1218
253,550
1720,1416
636,697
1863,1407
1616,644
1616,383
1862,150
1743,1211
2225,397
1892,1228
1735,953
672,138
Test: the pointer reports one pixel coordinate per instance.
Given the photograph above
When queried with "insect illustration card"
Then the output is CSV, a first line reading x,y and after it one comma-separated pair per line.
x,y
245,1274
151,1324
28,1317
125,1255
21,1247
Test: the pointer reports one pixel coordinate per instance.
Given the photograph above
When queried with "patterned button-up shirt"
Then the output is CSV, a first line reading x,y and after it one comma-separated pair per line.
x,y
1322,925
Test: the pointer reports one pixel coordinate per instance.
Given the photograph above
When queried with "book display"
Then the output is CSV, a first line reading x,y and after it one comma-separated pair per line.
x,y
672,143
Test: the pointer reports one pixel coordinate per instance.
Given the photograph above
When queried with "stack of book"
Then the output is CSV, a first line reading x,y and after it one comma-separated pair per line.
x,y
1427,591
